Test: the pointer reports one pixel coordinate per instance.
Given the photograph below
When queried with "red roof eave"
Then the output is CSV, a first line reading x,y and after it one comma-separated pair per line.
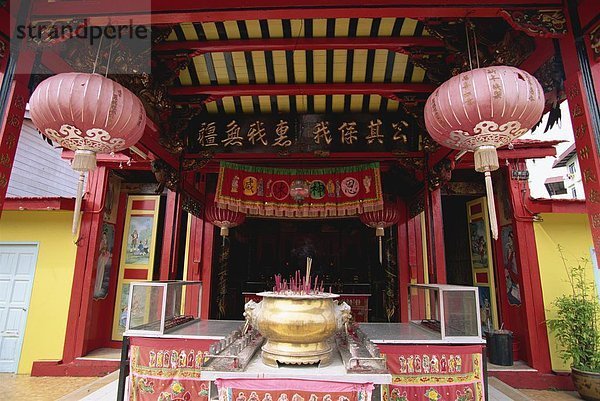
x,y
545,205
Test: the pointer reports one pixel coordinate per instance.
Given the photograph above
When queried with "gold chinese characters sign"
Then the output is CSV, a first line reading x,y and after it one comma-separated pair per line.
x,y
303,133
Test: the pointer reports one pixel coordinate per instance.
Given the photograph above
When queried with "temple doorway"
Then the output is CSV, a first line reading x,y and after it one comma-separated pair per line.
x,y
344,252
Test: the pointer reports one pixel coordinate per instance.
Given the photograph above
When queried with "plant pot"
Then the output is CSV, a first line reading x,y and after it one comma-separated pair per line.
x,y
587,384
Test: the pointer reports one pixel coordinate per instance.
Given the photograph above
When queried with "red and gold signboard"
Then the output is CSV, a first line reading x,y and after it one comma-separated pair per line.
x,y
339,191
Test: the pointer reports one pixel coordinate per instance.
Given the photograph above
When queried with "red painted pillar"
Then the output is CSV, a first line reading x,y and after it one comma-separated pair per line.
x,y
434,223
85,265
403,261
584,116
206,267
171,237
536,339
194,271
12,120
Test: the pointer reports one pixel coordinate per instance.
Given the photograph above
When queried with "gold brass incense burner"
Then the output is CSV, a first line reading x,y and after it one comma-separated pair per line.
x,y
298,327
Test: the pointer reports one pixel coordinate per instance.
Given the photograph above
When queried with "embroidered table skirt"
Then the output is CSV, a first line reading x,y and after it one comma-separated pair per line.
x,y
434,373
167,370
291,390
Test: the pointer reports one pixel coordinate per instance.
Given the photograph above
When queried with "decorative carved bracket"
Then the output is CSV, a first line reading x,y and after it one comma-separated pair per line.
x,y
540,23
196,164
412,163
595,42
417,206
192,206
440,174
165,175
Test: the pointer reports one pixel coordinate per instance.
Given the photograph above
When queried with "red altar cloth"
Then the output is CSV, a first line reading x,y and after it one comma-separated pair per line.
x,y
434,373
291,390
167,370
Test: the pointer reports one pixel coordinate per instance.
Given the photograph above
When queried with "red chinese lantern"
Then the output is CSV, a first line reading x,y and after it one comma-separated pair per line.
x,y
380,220
89,114
481,110
224,218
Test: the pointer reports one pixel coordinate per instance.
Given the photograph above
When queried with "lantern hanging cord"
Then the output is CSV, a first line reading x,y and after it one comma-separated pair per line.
x,y
475,43
108,61
468,44
97,55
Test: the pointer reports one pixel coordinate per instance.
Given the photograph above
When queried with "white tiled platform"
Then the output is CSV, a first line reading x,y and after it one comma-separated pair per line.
x,y
106,393
109,393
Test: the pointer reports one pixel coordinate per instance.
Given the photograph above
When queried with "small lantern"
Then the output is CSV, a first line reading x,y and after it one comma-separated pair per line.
x,y
299,190
224,218
380,220
89,114
481,110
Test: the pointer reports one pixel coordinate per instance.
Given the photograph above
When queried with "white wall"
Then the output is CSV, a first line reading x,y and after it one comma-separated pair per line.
x,y
38,170
540,169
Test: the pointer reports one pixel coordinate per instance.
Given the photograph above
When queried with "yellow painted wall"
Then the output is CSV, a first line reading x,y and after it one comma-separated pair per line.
x,y
50,297
572,233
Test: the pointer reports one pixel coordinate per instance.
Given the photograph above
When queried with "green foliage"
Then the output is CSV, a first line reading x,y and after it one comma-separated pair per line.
x,y
576,326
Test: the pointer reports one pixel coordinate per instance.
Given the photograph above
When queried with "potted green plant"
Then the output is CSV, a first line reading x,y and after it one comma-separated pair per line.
x,y
577,329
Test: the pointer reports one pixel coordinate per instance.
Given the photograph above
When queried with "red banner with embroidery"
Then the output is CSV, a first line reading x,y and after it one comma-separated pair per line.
x,y
291,390
264,191
434,373
167,370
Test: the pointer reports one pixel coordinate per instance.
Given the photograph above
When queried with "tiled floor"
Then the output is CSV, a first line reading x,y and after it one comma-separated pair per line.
x,y
106,354
104,388
24,387
516,366
538,395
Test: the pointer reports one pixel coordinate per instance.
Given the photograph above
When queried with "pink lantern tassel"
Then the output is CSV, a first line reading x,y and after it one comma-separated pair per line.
x,y
78,199
491,204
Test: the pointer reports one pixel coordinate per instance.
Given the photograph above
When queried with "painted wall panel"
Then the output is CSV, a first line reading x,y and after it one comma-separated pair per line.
x,y
49,305
572,233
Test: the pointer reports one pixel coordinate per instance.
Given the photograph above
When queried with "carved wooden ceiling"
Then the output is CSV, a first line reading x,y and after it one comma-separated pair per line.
x,y
299,62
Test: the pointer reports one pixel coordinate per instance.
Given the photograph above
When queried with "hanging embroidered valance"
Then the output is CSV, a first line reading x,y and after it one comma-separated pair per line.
x,y
281,192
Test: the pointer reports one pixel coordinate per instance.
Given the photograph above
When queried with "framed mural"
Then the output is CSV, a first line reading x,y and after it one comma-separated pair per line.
x,y
482,264
139,240
111,201
479,244
511,273
104,263
137,253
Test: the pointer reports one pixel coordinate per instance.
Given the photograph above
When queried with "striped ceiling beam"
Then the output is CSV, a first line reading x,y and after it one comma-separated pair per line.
x,y
117,12
382,89
368,43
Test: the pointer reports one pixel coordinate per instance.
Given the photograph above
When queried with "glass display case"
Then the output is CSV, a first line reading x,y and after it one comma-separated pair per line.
x,y
156,307
451,311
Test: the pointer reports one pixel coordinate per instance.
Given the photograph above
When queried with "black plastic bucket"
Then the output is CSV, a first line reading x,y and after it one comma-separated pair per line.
x,y
499,344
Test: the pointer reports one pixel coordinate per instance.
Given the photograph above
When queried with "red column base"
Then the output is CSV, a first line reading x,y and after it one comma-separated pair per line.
x,y
77,368
534,380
